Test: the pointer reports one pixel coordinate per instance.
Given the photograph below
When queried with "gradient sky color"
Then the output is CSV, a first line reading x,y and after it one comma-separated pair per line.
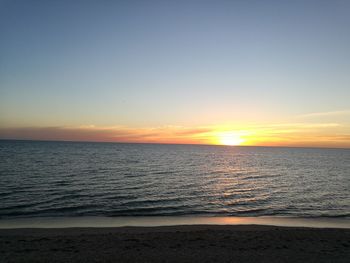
x,y
275,72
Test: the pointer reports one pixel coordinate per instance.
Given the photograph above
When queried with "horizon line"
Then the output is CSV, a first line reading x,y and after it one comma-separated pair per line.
x,y
190,144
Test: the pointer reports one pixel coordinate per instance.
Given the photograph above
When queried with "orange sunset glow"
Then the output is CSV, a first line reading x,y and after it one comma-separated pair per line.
x,y
288,134
165,75
175,131
230,139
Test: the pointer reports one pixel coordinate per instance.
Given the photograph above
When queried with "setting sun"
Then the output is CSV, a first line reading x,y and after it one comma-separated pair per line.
x,y
230,138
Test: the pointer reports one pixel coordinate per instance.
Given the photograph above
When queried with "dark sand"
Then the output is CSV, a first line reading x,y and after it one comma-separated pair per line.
x,y
198,243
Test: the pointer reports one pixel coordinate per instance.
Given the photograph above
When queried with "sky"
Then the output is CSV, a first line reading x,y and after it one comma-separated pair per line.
x,y
204,72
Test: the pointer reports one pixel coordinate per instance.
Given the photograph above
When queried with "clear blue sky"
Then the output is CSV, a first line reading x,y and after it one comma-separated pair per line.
x,y
151,63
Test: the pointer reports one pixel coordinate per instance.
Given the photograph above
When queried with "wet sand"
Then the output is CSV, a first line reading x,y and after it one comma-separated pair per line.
x,y
187,243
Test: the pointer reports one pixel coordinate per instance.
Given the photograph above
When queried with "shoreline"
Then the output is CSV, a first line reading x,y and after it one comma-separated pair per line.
x,y
158,221
175,239
184,243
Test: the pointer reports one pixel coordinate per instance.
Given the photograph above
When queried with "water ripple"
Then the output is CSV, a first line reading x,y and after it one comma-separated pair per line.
x,y
69,179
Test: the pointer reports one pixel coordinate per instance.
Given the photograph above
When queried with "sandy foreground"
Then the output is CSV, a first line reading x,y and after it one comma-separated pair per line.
x,y
191,243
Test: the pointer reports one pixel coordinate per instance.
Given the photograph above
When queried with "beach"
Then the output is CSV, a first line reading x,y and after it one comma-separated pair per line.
x,y
174,131
185,243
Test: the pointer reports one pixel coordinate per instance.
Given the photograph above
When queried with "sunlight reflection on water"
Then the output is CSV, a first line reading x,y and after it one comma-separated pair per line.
x,y
108,179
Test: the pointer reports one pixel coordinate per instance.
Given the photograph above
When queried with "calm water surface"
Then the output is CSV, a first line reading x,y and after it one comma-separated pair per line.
x,y
111,179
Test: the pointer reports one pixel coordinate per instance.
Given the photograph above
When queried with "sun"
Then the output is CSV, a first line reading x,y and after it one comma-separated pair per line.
x,y
230,138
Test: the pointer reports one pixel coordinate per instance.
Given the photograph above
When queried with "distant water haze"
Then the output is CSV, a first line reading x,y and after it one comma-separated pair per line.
x,y
66,179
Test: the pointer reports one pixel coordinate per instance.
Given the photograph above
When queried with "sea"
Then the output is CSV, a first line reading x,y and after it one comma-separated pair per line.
x,y
82,179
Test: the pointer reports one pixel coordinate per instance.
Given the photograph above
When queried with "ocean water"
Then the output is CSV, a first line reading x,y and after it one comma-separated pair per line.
x,y
73,179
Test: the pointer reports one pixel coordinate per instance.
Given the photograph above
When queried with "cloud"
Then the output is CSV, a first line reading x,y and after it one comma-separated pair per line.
x,y
325,114
197,131
166,134
61,133
283,134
